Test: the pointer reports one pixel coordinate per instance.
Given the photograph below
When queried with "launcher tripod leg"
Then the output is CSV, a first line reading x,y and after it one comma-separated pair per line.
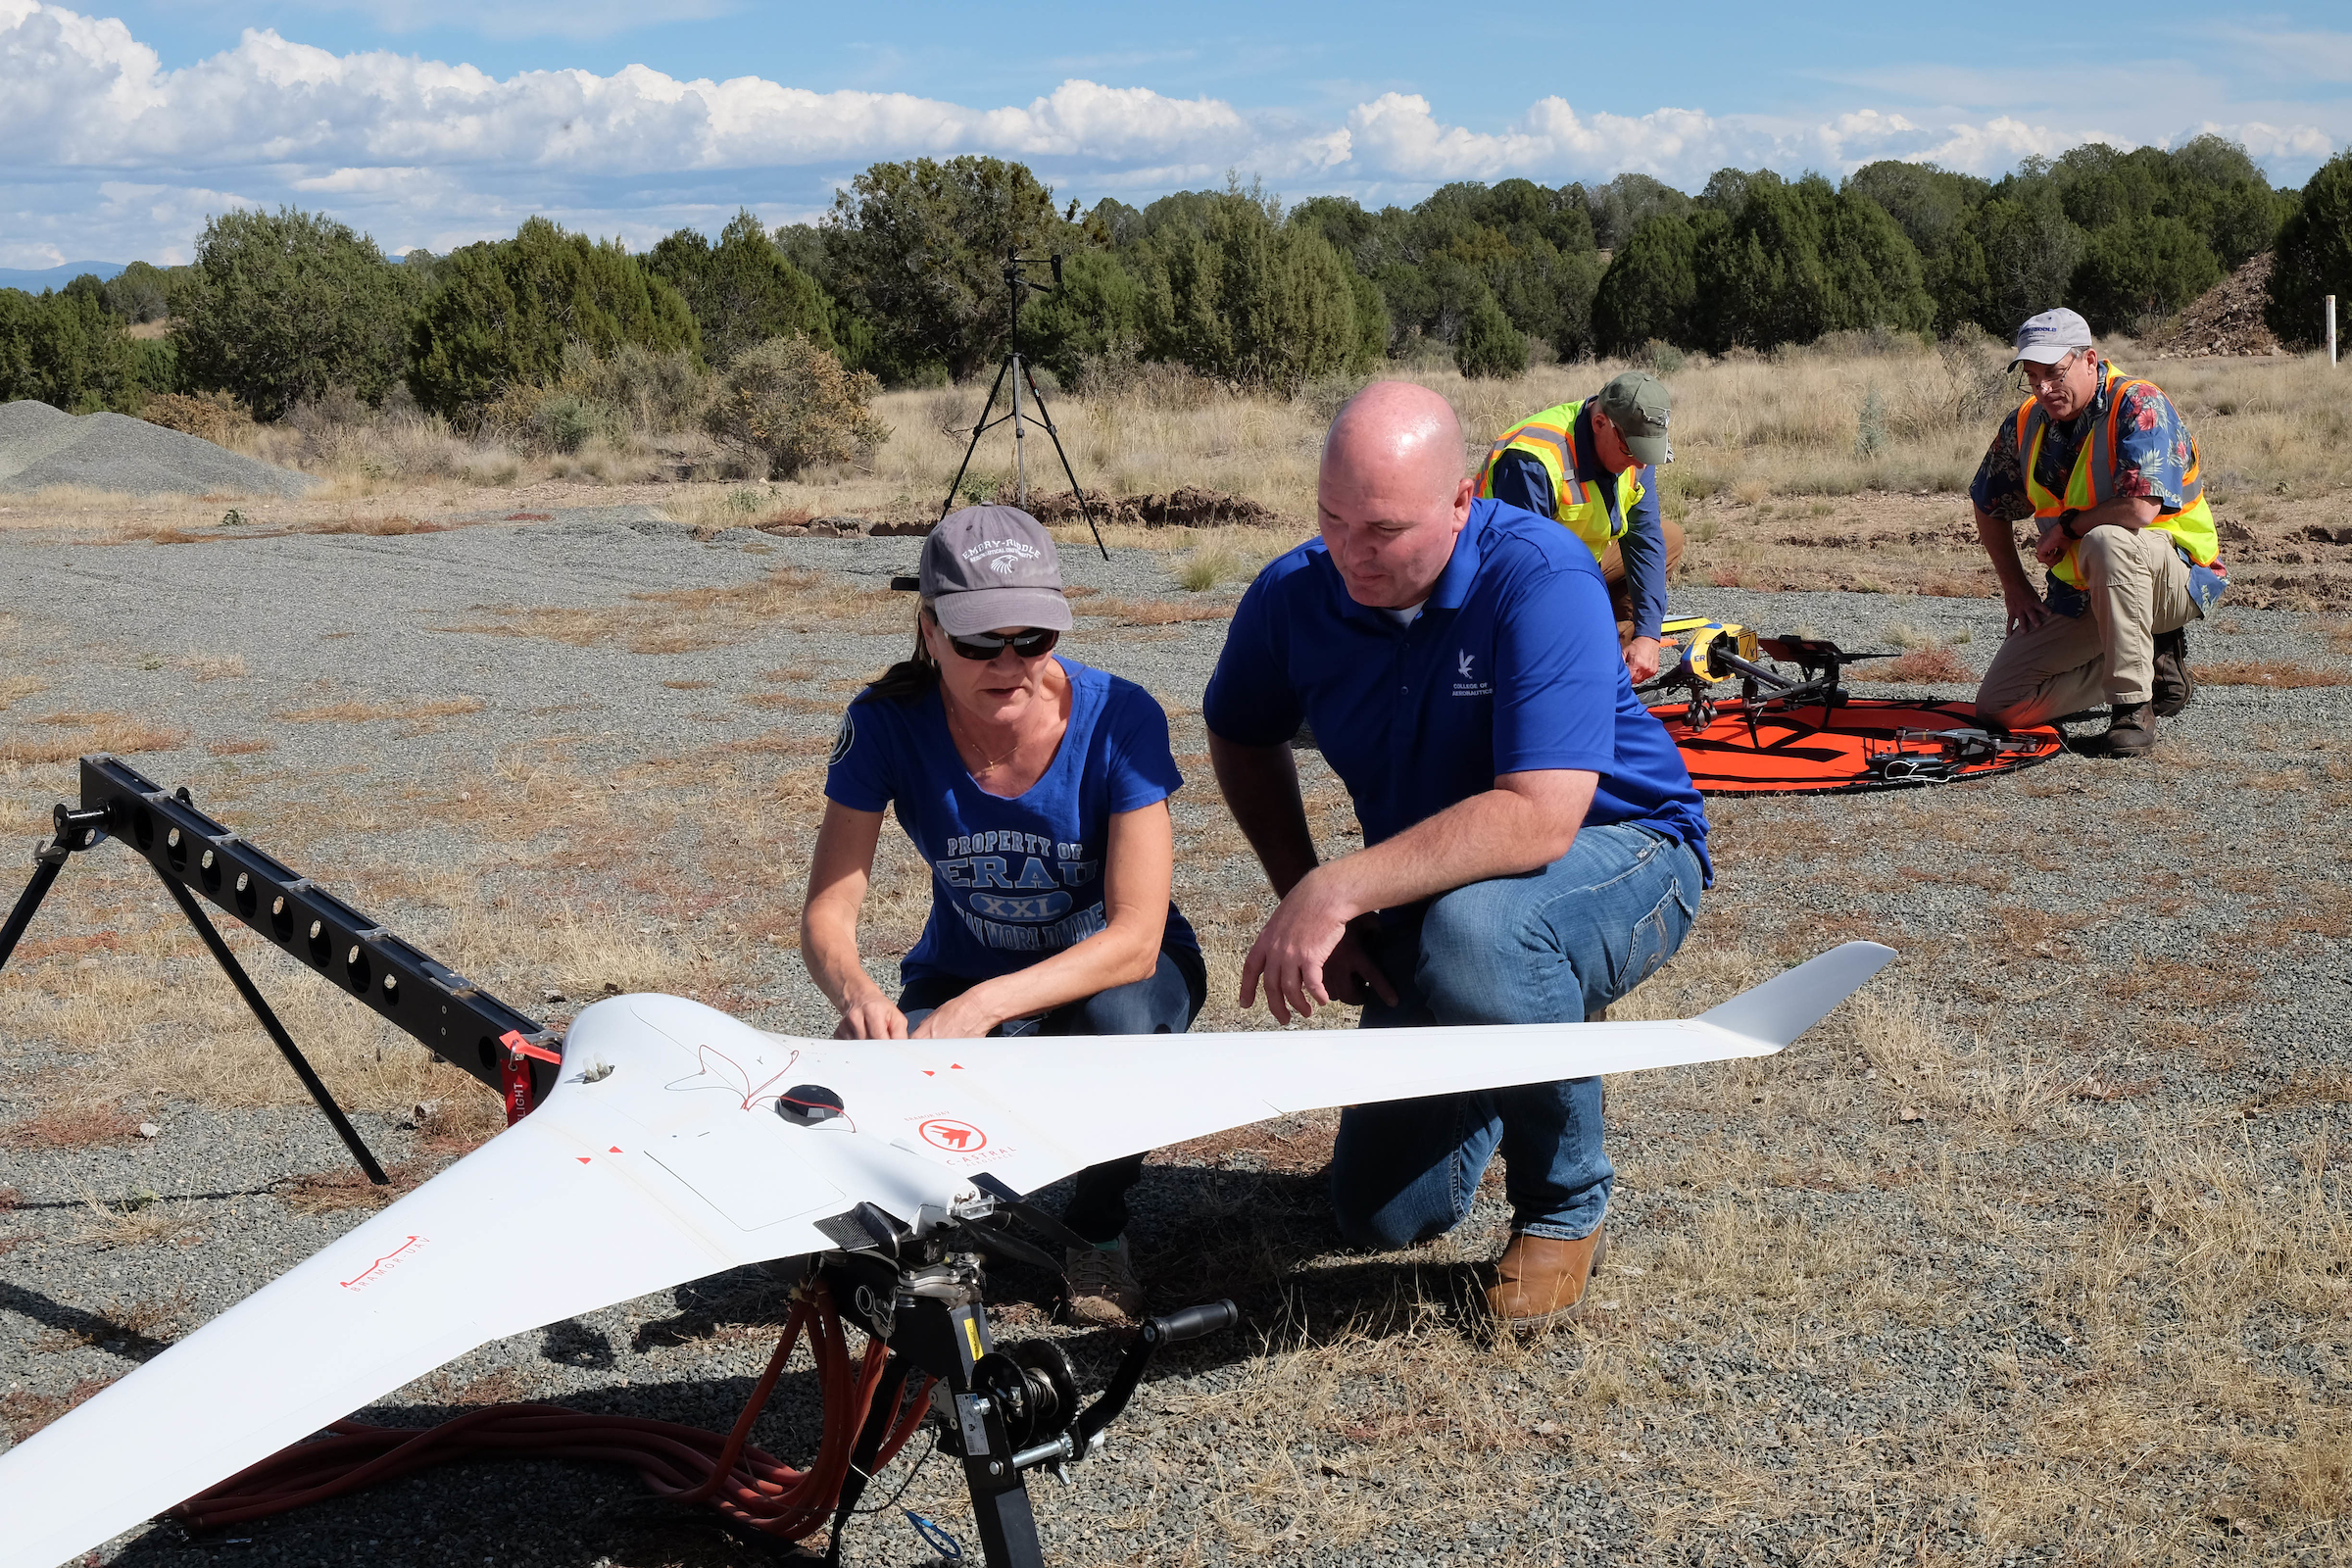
x,y
946,1339
277,1031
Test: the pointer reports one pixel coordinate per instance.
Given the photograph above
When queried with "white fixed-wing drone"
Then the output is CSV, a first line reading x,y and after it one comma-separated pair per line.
x,y
676,1141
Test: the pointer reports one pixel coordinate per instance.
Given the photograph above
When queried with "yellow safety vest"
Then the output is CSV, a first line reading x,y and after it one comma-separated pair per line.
x,y
1583,509
2093,480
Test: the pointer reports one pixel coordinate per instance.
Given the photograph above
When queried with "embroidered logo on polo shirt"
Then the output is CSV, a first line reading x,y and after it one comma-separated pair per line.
x,y
1469,685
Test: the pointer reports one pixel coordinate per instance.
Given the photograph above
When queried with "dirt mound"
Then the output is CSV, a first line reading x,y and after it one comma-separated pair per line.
x,y
2227,319
1190,506
41,446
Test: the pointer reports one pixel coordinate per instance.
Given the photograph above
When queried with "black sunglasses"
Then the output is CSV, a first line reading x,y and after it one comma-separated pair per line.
x,y
1034,643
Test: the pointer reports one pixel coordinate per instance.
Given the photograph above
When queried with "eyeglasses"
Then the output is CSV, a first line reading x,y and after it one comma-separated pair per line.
x,y
2052,374
1034,642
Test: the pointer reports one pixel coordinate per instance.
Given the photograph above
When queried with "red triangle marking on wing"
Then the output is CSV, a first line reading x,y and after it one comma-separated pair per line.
x,y
584,1159
928,1073
614,1149
957,1066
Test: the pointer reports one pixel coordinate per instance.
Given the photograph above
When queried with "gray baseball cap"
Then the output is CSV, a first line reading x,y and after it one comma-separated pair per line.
x,y
2051,336
987,568
1639,404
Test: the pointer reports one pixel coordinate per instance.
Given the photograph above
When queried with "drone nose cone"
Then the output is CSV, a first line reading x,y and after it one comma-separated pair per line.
x,y
807,1104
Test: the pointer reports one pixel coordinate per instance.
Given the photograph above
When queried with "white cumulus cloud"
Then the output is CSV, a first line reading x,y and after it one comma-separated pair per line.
x,y
111,154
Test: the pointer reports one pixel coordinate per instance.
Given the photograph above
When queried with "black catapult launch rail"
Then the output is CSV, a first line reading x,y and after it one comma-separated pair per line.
x,y
404,986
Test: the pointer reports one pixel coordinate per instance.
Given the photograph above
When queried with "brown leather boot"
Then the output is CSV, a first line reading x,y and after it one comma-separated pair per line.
x,y
2130,732
2175,687
1541,1280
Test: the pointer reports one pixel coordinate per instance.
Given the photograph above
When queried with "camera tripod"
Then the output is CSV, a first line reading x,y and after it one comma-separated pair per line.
x,y
1016,283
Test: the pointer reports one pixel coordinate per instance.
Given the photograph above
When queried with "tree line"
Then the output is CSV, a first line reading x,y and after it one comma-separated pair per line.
x,y
902,280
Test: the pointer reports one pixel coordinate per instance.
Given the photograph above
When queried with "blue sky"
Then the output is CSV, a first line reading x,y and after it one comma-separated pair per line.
x,y
431,121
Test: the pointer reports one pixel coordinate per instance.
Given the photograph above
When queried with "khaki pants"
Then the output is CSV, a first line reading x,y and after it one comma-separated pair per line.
x,y
2138,588
1612,573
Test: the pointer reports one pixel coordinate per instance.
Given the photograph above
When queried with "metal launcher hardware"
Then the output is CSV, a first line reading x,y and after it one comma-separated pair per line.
x,y
193,855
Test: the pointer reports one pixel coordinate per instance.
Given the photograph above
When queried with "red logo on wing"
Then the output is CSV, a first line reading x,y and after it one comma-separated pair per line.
x,y
956,1136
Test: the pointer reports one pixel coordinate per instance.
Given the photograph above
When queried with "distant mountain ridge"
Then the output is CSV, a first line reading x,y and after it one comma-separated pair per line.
x,y
34,281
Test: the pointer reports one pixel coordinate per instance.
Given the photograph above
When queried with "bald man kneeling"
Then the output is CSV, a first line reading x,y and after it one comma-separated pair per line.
x,y
1532,847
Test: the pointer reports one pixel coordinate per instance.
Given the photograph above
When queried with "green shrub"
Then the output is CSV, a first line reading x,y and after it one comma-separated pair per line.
x,y
565,421
1233,295
277,308
2313,257
787,404
1490,345
503,314
918,252
2144,267
1651,285
743,290
69,351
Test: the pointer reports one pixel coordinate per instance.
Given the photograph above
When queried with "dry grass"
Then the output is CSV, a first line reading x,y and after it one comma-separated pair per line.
x,y
352,711
689,619
1920,667
2279,673
23,1412
74,1125
85,733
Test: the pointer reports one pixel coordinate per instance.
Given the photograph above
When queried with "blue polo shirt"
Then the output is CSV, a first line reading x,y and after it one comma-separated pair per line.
x,y
1512,665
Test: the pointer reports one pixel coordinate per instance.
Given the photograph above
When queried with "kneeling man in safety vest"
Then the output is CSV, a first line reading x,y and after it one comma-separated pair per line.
x,y
2106,467
1590,467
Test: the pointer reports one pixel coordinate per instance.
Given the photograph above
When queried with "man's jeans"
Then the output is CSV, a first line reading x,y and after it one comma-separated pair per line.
x,y
1550,946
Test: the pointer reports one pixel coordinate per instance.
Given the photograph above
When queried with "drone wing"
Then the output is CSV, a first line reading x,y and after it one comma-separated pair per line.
x,y
680,1141
1030,1111
560,1214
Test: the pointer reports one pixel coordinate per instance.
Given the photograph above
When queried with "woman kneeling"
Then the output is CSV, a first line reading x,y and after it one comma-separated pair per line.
x,y
1037,789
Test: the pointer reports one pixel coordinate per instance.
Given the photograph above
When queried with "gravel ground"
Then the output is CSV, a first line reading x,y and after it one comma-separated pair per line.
x,y
41,446
1867,1415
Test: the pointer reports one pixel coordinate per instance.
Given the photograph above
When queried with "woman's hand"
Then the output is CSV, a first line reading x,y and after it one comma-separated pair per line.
x,y
965,1017
871,1017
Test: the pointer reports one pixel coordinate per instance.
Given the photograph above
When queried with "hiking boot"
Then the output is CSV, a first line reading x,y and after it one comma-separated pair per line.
x,y
1541,1280
2130,732
2175,688
1100,1285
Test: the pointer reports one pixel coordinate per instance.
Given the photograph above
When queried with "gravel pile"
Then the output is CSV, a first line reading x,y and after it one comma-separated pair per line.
x,y
2227,319
41,446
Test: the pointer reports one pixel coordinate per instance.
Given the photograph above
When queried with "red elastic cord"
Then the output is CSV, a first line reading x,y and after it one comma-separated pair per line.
x,y
686,1464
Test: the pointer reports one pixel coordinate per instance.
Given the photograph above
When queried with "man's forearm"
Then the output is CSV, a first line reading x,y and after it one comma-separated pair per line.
x,y
1642,549
1261,786
2119,512
1502,832
2001,543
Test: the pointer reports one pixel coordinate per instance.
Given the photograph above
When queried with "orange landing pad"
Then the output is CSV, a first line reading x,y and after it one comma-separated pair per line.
x,y
1809,750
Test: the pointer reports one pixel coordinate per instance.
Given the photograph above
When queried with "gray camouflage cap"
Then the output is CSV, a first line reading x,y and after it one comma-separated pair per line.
x,y
987,568
1639,404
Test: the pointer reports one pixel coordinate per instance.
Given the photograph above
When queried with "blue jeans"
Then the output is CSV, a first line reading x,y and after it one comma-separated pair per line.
x,y
1547,945
1163,1003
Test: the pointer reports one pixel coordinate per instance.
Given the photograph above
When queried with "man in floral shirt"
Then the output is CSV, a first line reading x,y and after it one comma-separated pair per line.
x,y
2107,469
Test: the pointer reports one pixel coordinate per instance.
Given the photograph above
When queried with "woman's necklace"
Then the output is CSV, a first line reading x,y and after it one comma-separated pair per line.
x,y
988,762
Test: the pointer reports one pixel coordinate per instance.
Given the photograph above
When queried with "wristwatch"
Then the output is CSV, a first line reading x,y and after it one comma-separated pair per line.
x,y
2066,524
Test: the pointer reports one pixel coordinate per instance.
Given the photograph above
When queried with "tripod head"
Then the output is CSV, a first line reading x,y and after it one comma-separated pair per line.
x,y
1017,285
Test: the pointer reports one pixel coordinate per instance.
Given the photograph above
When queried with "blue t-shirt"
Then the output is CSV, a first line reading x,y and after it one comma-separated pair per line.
x,y
1012,881
1512,665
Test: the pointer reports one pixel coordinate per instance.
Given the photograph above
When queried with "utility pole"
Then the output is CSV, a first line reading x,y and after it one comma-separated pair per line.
x,y
2331,329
